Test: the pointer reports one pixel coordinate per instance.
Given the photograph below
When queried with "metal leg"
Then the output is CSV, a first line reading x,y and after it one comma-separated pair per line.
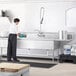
x,y
1,54
21,75
53,55
58,55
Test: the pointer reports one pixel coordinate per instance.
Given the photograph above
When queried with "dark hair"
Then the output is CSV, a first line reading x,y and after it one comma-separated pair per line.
x,y
16,20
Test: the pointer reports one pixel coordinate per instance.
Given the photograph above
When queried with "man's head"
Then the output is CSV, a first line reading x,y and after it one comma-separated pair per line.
x,y
16,20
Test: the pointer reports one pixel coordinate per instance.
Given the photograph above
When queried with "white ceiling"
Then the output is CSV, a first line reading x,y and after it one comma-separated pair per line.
x,y
49,0
35,0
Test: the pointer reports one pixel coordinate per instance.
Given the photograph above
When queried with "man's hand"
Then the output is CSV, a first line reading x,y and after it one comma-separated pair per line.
x,y
18,34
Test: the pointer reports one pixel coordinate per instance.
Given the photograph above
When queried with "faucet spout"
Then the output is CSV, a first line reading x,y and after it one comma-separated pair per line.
x,y
40,34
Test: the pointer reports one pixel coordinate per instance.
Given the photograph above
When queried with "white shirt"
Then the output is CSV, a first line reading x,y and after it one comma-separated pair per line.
x,y
13,29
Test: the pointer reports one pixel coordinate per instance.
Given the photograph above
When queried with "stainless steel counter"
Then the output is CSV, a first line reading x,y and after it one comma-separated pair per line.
x,y
39,39
35,47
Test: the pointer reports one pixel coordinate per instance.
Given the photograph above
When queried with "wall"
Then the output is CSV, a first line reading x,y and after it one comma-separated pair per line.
x,y
17,10
29,13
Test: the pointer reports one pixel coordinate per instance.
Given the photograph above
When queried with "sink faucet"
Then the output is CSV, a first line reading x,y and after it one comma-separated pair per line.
x,y
40,34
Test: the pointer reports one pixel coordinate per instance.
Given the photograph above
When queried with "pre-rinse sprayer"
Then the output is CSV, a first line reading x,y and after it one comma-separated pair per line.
x,y
42,11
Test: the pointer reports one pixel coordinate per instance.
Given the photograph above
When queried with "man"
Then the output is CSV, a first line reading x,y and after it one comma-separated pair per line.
x,y
12,41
